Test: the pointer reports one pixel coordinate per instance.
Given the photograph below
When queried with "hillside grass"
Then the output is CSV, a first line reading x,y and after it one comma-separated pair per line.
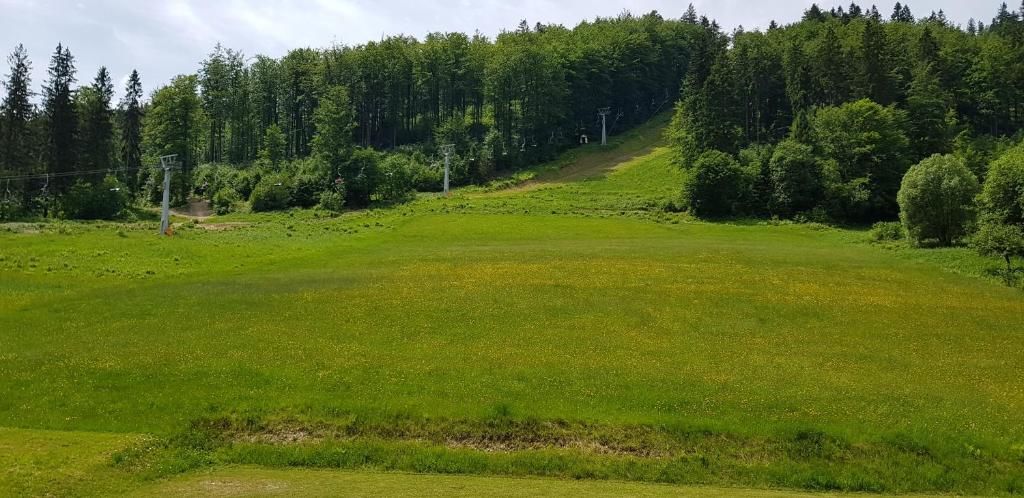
x,y
569,327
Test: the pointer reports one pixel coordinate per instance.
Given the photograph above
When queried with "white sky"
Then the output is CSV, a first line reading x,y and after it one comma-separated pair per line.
x,y
163,38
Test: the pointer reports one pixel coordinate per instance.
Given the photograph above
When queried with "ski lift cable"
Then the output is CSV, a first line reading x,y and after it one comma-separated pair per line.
x,y
66,174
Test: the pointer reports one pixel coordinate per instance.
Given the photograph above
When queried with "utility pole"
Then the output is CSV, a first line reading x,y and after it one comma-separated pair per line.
x,y
167,162
447,151
604,111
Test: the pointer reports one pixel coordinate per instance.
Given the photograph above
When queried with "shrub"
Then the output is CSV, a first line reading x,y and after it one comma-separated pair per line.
x,y
426,177
887,231
93,202
716,185
306,190
1002,197
225,200
489,157
937,200
245,181
756,160
395,178
10,206
214,177
361,174
271,193
1002,240
333,200
796,179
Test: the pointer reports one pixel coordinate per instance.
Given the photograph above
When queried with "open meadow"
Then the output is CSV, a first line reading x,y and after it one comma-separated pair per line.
x,y
567,326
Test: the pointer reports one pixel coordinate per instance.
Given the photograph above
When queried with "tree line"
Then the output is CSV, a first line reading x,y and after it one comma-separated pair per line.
x,y
850,116
317,120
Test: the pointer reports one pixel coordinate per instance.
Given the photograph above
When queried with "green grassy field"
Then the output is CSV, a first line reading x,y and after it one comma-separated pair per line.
x,y
566,327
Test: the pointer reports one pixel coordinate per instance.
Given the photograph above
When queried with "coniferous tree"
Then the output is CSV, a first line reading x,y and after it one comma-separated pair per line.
x,y
875,77
855,11
927,47
16,110
691,15
215,80
907,16
131,131
897,13
814,13
61,117
832,75
928,110
799,84
97,127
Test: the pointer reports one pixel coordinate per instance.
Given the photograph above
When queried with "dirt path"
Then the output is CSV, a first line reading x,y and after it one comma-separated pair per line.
x,y
593,161
196,208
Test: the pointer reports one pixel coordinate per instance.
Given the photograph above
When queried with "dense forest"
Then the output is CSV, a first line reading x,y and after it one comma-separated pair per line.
x,y
819,120
838,106
318,121
849,117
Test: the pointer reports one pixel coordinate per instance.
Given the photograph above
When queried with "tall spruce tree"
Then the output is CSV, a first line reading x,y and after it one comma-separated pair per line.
x,y
97,127
61,117
897,12
215,78
691,15
17,109
927,47
131,131
875,78
928,109
831,74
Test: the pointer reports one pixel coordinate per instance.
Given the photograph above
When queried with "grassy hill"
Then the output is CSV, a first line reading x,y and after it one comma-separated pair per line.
x,y
559,324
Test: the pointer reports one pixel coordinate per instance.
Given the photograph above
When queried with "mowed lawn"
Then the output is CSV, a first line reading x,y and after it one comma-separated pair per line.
x,y
556,303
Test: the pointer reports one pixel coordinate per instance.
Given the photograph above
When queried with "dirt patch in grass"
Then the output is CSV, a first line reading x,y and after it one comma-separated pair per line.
x,y
195,208
219,227
495,435
801,459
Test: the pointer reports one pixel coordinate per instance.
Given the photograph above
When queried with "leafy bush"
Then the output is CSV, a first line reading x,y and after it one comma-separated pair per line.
x,y
887,231
306,190
245,181
94,202
1002,197
333,200
225,200
489,155
756,160
424,176
716,185
272,193
395,178
1001,240
10,206
308,176
937,200
796,179
214,177
361,175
